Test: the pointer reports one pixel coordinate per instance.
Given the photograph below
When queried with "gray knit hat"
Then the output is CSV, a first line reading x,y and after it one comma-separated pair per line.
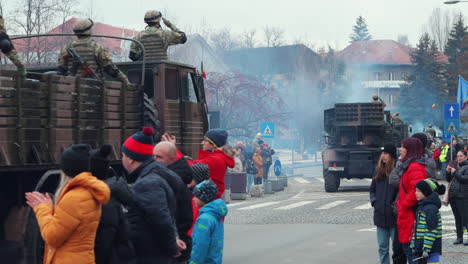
x,y
201,172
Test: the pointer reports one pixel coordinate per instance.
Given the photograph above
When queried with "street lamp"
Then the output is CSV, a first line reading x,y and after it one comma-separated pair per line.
x,y
453,2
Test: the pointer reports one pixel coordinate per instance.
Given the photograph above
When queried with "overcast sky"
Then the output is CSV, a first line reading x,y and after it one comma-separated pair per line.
x,y
321,22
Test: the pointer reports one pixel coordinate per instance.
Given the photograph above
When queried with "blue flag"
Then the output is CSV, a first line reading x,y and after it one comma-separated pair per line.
x,y
462,98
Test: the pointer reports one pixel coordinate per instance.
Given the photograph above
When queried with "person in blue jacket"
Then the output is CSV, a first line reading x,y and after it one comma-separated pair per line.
x,y
208,233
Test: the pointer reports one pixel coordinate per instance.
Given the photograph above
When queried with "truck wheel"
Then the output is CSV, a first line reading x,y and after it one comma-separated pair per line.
x,y
331,182
150,115
33,242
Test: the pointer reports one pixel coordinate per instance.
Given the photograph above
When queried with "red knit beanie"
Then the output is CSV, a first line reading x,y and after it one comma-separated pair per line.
x,y
139,146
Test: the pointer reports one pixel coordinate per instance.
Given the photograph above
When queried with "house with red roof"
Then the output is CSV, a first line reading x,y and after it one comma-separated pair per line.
x,y
380,66
49,47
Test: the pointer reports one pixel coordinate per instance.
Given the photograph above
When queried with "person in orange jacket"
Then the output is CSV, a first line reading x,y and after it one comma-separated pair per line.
x,y
258,160
68,225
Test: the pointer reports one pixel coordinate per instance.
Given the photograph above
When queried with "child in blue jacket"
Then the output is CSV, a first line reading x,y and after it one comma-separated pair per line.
x,y
208,232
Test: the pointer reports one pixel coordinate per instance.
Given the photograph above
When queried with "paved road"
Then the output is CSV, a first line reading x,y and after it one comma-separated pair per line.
x,y
304,224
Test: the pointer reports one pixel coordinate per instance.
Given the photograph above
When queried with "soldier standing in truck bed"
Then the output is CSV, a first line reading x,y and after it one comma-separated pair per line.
x,y
431,131
93,54
9,50
155,39
377,100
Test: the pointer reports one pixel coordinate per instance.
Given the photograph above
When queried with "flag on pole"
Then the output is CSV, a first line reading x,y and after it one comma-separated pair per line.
x,y
203,73
462,98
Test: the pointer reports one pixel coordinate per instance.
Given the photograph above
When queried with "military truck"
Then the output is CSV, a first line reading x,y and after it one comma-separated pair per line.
x,y
354,135
45,113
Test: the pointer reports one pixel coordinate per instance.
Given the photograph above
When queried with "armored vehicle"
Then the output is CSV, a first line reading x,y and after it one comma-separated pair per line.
x,y
354,134
45,113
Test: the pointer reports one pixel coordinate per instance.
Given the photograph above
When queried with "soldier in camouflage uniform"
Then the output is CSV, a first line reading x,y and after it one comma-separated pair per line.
x,y
431,131
155,39
9,50
397,119
94,54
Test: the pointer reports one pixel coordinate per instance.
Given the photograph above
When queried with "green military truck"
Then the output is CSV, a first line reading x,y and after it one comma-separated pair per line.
x,y
354,134
45,113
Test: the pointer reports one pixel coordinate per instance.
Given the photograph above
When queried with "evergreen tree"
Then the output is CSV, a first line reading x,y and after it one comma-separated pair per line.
x,y
360,31
453,50
426,85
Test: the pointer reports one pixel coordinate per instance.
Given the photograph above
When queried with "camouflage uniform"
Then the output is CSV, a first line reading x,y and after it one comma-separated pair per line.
x,y
92,53
155,39
431,131
397,120
8,49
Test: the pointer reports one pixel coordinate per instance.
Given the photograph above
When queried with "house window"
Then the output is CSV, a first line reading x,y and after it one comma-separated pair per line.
x,y
391,76
376,76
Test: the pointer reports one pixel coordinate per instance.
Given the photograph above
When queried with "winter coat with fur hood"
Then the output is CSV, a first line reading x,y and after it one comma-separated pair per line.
x,y
69,227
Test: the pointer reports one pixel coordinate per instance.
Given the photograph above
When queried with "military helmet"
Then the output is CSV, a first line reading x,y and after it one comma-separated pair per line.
x,y
83,26
430,125
375,97
397,114
153,16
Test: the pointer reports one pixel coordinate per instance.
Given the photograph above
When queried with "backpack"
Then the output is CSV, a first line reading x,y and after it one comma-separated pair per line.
x,y
251,169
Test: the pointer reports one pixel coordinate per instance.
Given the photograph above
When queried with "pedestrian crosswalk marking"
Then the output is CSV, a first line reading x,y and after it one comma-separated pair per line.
x,y
301,180
372,229
332,204
364,206
445,208
294,205
236,204
258,205
320,179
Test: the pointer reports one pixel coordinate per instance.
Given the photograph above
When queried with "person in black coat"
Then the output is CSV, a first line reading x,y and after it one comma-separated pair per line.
x,y
152,213
113,245
382,195
165,152
458,194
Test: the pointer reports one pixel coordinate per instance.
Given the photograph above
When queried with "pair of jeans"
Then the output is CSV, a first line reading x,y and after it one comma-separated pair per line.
x,y
443,170
258,180
250,180
383,239
409,253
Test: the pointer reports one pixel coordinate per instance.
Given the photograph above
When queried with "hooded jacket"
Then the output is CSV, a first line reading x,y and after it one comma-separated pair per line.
x,y
428,227
208,234
69,227
184,214
459,186
407,199
152,214
113,243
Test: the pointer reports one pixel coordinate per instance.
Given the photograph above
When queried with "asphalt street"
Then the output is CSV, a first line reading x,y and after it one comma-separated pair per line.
x,y
304,224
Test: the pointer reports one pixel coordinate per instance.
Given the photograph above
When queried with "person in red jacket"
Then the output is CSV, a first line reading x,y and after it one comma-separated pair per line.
x,y
213,153
410,156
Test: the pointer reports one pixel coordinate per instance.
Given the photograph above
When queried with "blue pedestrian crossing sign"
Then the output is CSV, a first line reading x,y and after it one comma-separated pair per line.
x,y
277,168
267,129
451,127
451,111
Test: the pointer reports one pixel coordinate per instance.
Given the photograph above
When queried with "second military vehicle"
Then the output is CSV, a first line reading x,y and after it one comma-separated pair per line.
x,y
354,134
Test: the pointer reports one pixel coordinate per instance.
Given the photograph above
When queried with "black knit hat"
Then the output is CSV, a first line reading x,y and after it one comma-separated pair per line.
x,y
390,149
201,172
429,186
140,145
99,161
422,137
217,137
75,160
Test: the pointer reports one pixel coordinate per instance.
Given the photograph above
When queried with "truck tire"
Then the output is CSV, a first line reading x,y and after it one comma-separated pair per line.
x,y
332,182
150,116
33,242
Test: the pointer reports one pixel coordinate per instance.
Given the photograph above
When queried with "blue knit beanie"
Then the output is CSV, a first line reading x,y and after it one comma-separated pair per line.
x,y
217,137
206,191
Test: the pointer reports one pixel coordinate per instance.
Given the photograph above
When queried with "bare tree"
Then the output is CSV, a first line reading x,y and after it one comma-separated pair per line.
x,y
249,38
91,12
274,36
439,26
64,10
223,41
403,39
304,40
1,8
